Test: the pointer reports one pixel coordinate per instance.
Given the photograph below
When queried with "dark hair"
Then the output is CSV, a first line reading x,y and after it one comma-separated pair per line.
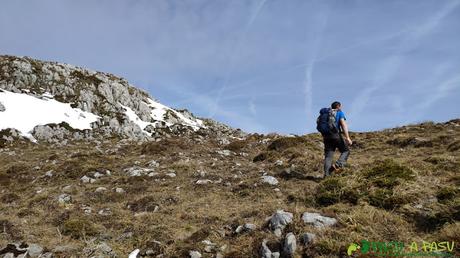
x,y
335,105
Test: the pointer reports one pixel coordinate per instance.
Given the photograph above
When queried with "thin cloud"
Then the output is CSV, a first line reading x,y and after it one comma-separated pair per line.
x,y
390,66
234,54
310,67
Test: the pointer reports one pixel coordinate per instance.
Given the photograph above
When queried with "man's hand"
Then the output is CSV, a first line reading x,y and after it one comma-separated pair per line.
x,y
349,141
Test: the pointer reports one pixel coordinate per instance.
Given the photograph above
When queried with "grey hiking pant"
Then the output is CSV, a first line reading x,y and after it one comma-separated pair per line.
x,y
330,145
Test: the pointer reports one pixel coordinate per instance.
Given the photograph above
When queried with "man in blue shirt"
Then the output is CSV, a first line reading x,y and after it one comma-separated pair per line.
x,y
336,141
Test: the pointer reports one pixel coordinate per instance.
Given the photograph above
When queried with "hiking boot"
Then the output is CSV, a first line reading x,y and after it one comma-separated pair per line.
x,y
333,168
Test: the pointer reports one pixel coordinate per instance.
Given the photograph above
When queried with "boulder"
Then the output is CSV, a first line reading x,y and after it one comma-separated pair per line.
x,y
317,220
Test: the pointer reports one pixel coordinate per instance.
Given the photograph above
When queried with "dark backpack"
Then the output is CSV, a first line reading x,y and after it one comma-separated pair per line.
x,y
326,123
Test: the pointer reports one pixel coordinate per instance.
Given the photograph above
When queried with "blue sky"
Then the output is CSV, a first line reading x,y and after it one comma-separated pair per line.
x,y
260,65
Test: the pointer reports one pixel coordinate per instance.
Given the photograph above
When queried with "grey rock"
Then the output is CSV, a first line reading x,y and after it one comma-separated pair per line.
x,y
105,212
2,108
86,180
203,182
153,164
224,152
290,245
100,189
49,173
171,175
138,171
195,254
98,175
65,249
35,250
317,220
46,255
119,190
245,228
269,180
64,198
279,221
265,252
68,188
307,238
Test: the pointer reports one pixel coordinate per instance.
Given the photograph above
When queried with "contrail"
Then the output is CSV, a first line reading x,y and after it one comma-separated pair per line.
x,y
308,82
234,54
390,65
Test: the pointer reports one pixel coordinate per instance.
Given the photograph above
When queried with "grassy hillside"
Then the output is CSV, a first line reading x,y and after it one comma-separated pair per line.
x,y
401,184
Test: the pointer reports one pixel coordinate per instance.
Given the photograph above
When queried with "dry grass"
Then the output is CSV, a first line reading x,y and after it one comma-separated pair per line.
x,y
392,189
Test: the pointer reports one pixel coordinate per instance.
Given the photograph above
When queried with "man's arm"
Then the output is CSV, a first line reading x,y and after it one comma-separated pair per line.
x,y
345,131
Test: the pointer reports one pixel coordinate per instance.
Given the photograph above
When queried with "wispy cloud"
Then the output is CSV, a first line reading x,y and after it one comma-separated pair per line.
x,y
311,62
234,55
391,65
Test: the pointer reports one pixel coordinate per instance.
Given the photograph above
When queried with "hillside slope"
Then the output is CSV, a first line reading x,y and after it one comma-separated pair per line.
x,y
184,195
49,101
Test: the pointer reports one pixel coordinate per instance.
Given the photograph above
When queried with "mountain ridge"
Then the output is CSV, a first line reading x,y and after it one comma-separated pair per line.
x,y
122,109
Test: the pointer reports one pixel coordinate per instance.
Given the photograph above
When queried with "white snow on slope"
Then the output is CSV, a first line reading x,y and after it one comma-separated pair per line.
x,y
158,114
23,112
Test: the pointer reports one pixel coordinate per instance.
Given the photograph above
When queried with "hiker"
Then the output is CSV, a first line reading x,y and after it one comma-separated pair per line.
x,y
331,124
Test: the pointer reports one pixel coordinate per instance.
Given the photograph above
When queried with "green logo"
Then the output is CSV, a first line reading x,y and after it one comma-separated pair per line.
x,y
396,248
352,248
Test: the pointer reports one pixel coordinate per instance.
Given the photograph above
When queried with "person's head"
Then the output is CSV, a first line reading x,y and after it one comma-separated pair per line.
x,y
336,105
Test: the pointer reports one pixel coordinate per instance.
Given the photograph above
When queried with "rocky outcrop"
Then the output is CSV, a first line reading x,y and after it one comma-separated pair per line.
x,y
122,108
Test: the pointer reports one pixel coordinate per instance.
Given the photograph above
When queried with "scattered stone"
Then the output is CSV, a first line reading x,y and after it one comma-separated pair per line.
x,y
46,255
134,253
67,189
317,220
266,252
35,250
105,212
203,182
64,198
307,238
153,164
171,175
279,221
269,180
119,190
279,163
2,108
105,248
65,249
125,235
100,189
194,254
245,228
290,245
49,173
86,180
87,209
138,171
224,152
98,175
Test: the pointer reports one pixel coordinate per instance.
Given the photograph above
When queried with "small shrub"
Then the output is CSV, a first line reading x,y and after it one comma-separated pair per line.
x,y
236,146
285,143
455,146
145,204
388,174
268,155
79,228
446,194
332,190
385,198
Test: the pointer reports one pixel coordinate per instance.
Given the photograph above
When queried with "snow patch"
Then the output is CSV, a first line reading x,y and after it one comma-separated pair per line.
x,y
158,113
23,112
